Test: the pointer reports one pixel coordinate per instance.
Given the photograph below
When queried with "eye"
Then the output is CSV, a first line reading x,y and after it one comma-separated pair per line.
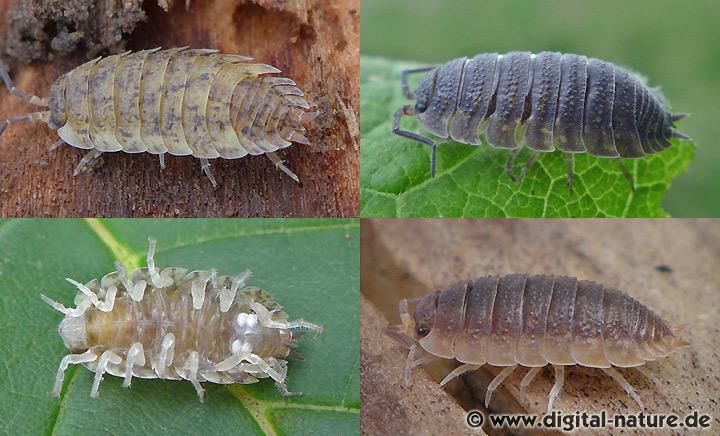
x,y
422,331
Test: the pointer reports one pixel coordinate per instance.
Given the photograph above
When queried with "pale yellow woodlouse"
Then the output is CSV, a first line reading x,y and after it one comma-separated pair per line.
x,y
174,324
533,321
180,101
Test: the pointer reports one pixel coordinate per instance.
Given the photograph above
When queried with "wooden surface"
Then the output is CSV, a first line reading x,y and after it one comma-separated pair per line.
x,y
314,42
407,258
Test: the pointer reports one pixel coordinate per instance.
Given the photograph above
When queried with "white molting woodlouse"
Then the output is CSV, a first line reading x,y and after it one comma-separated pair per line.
x,y
180,101
533,321
173,324
543,101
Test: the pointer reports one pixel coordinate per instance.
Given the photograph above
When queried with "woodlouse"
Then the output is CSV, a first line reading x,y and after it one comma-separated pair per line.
x,y
533,320
180,101
543,101
174,325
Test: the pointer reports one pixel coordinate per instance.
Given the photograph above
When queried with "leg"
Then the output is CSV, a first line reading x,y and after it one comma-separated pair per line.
x,y
228,295
86,161
197,291
279,165
109,303
404,79
213,277
569,165
205,165
78,311
88,356
510,163
301,323
422,361
105,306
165,358
135,355
649,375
260,362
496,382
56,145
282,388
34,116
240,352
162,161
107,356
557,387
409,363
281,368
191,365
54,304
85,290
135,290
410,110
625,385
278,366
530,162
626,173
265,319
158,281
457,372
32,99
527,380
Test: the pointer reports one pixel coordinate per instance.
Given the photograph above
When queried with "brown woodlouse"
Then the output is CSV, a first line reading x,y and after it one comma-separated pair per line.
x,y
180,101
533,320
173,324
543,101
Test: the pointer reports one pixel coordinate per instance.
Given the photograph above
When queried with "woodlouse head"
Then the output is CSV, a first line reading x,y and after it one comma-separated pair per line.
x,y
418,325
56,102
424,315
73,332
424,92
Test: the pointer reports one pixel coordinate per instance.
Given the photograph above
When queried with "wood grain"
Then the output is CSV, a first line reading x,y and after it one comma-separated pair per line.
x,y
314,42
669,265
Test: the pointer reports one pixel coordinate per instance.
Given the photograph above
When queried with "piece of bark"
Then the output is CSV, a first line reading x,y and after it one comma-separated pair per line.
x,y
44,29
314,42
632,255
389,406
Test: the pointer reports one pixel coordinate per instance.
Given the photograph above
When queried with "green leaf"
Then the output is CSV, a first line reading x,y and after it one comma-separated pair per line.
x,y
471,181
311,267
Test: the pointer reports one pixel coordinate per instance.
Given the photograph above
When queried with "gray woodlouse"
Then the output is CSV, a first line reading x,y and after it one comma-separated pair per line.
x,y
533,320
180,101
174,325
543,101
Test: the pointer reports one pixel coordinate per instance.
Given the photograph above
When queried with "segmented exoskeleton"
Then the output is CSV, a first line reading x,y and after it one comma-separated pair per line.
x,y
542,101
173,324
180,101
534,320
